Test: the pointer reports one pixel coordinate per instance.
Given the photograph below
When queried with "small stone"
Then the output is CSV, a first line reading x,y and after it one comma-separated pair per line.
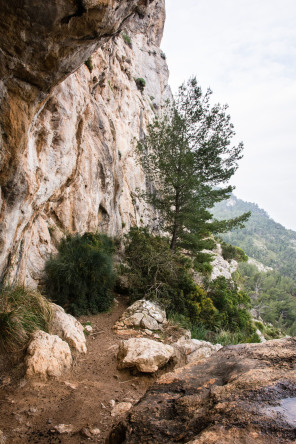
x,y
112,403
64,428
5,380
88,328
121,408
73,386
115,377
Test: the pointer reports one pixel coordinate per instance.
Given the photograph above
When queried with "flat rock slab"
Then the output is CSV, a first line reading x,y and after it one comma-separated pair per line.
x,y
144,354
241,394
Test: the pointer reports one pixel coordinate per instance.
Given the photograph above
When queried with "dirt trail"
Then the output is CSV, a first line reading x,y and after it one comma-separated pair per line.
x,y
29,410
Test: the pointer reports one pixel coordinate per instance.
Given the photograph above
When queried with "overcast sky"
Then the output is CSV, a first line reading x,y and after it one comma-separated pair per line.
x,y
245,50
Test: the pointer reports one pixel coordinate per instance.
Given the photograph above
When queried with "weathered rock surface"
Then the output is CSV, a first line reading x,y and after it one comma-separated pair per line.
x,y
221,267
121,408
67,162
67,328
144,314
47,356
144,354
192,350
242,394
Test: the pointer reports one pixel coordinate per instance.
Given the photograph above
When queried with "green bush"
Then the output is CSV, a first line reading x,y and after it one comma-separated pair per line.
x,y
155,272
89,64
81,277
231,252
22,311
141,83
127,39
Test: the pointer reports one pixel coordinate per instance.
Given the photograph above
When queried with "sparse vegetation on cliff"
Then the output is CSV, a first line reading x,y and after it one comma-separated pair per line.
x,y
81,277
141,83
89,64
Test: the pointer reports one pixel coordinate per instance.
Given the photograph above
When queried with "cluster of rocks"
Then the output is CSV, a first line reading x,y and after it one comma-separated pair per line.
x,y
148,355
50,354
142,314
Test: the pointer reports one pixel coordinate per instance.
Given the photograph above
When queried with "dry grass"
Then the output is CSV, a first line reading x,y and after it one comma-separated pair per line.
x,y
22,311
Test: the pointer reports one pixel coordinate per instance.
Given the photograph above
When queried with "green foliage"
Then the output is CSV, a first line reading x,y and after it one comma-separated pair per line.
x,y
185,155
81,277
230,252
155,272
218,336
141,83
232,305
127,39
273,296
261,238
89,64
22,311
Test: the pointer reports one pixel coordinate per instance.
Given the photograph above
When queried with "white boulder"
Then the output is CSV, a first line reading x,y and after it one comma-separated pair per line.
x,y
67,328
194,349
144,354
47,356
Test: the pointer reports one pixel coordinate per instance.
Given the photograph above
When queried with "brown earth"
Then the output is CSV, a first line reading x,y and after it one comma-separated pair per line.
x,y
30,409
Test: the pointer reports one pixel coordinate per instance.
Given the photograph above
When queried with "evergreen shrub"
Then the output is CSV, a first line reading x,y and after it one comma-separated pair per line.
x,y
22,311
81,276
232,252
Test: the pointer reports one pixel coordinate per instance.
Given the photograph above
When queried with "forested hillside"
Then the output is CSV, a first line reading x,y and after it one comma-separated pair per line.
x,y
262,238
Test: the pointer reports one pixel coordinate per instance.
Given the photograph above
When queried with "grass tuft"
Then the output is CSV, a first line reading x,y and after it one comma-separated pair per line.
x,y
22,311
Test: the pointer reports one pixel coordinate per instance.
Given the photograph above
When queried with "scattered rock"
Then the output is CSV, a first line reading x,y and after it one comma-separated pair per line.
x,y
144,314
121,408
88,328
144,354
5,380
89,432
64,428
243,394
47,356
67,328
72,385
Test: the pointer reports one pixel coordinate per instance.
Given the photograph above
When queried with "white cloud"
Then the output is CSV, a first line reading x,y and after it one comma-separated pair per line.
x,y
245,50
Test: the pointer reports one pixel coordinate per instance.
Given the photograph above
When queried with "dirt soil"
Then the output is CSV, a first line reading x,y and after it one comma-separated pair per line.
x,y
83,398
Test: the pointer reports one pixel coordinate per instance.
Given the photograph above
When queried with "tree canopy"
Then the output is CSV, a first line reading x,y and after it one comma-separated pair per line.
x,y
186,155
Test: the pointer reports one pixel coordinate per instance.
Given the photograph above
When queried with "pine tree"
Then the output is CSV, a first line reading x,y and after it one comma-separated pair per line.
x,y
186,155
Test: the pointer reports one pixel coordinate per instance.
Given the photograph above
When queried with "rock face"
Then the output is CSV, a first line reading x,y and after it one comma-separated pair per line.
x,y
144,314
67,328
67,159
144,354
47,356
243,394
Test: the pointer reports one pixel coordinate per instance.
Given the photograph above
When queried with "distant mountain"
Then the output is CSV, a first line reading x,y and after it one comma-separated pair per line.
x,y
262,238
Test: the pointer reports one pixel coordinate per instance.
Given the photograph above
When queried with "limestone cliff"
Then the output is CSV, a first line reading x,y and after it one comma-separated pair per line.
x,y
67,132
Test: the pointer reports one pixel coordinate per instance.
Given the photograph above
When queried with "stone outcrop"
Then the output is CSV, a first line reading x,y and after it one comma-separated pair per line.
x,y
67,328
244,393
66,130
142,314
47,356
221,267
144,354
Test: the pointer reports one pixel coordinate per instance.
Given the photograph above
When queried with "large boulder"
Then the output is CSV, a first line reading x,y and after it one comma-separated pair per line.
x,y
192,350
144,314
144,354
47,356
67,328
243,394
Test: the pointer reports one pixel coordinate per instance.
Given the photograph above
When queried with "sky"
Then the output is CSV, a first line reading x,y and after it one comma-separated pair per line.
x,y
245,51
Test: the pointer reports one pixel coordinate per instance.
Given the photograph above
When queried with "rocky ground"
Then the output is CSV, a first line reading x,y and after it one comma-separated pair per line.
x,y
237,394
83,398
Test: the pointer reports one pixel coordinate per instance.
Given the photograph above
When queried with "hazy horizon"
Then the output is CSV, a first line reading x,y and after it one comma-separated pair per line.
x,y
245,52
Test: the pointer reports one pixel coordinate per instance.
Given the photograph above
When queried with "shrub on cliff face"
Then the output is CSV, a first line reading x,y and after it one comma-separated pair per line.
x,y
81,277
22,311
